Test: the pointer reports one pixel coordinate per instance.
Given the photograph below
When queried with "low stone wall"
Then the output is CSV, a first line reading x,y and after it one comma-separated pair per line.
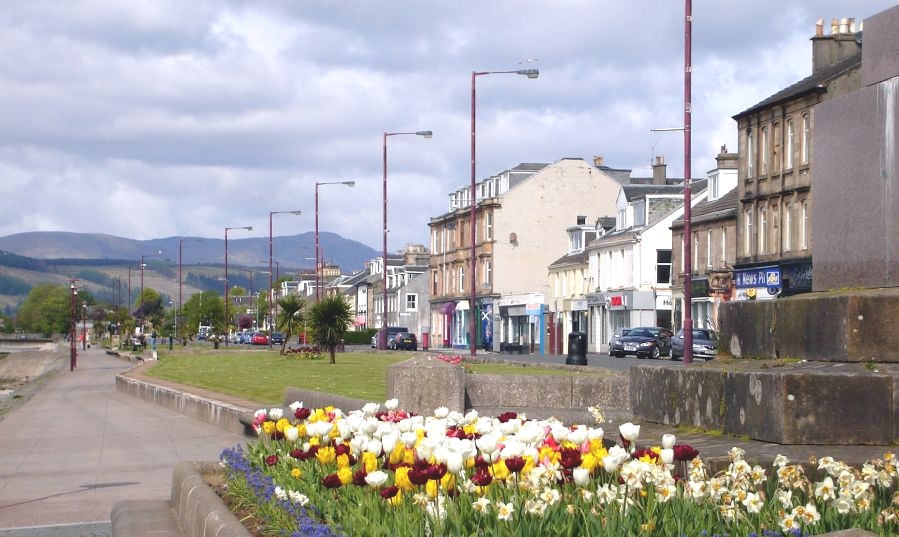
x,y
422,384
799,403
217,413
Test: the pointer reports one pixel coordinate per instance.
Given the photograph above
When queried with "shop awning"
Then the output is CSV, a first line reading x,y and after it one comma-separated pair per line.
x,y
462,305
447,307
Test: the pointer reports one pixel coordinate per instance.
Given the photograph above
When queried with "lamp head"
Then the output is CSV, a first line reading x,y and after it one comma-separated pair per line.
x,y
530,73
350,183
426,134
296,212
248,228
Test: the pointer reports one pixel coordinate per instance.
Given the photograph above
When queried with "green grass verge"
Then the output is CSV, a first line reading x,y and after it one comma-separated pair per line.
x,y
261,376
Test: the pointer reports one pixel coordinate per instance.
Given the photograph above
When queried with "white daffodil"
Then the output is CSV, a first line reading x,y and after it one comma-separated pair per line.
x,y
376,479
480,505
824,490
504,510
535,507
753,503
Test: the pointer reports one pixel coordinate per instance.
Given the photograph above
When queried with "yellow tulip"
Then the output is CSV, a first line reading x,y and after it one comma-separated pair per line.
x,y
369,461
325,455
401,479
343,461
345,475
268,428
296,473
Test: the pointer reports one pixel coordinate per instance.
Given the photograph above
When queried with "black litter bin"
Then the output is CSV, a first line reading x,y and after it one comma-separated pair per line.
x,y
577,349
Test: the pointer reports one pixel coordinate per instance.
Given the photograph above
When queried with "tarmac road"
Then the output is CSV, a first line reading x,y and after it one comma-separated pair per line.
x,y
77,447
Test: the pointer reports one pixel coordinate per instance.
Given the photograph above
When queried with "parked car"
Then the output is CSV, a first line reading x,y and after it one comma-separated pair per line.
x,y
705,344
404,341
244,337
644,342
392,331
615,339
259,339
277,338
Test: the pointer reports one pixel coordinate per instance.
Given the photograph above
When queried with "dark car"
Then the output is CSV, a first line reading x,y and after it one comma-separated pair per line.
x,y
259,339
277,338
392,331
644,342
404,341
615,340
705,344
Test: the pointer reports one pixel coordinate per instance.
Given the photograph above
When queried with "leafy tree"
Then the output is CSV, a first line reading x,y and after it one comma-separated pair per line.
x,y
151,307
48,309
329,320
245,322
206,308
290,317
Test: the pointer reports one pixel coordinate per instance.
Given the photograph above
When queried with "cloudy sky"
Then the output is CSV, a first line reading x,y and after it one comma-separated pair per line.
x,y
170,117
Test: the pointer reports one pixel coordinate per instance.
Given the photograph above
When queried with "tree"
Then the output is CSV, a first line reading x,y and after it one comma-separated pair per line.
x,y
48,309
290,317
207,309
150,308
329,320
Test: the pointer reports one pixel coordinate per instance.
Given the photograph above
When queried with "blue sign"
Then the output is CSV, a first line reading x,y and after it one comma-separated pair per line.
x,y
757,277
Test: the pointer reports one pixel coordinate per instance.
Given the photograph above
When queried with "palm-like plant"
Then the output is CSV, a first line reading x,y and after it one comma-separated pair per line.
x,y
329,320
290,317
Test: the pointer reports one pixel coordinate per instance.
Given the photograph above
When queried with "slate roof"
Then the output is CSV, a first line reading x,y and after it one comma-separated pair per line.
x,y
707,211
806,85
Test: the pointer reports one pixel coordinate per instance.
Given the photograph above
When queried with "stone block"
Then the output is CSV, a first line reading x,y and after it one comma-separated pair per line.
x,y
803,403
836,326
143,517
881,41
422,384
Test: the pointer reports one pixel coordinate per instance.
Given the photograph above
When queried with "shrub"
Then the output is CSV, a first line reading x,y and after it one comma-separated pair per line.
x,y
305,353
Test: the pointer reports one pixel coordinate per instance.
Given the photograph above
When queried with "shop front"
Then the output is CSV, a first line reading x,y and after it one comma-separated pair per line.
x,y
757,283
521,323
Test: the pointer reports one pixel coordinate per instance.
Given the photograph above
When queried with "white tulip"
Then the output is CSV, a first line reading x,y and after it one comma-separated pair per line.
x,y
577,436
371,409
441,412
261,413
530,433
391,404
389,441
487,444
595,434
409,439
374,446
295,405
560,433
668,440
667,455
454,462
275,414
376,479
629,431
581,476
291,434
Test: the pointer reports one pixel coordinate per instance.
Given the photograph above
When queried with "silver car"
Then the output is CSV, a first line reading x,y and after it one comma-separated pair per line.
x,y
705,344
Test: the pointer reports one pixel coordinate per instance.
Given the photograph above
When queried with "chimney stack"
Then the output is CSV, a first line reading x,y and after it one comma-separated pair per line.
x,y
839,45
659,175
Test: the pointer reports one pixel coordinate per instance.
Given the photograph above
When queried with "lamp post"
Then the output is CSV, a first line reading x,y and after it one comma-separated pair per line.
x,y
180,279
271,282
688,196
84,326
158,253
473,267
129,291
317,258
73,349
227,320
382,340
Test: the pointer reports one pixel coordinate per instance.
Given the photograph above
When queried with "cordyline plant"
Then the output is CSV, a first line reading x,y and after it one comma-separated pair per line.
x,y
385,472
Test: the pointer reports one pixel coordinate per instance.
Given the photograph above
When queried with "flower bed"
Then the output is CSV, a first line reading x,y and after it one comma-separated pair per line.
x,y
375,471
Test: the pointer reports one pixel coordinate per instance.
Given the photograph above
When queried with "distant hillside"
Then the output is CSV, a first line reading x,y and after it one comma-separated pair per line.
x,y
293,250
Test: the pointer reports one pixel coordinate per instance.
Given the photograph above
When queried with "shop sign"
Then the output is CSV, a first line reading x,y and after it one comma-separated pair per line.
x,y
757,277
663,302
617,302
534,308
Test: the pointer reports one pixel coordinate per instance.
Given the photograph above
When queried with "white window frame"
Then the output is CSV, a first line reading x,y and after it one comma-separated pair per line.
x,y
750,154
488,225
411,301
724,246
763,151
762,230
462,278
803,236
709,253
747,231
788,154
806,139
488,271
788,227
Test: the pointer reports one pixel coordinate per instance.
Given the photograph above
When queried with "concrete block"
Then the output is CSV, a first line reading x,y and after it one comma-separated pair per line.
x,y
200,511
316,399
804,403
154,518
746,328
881,42
422,384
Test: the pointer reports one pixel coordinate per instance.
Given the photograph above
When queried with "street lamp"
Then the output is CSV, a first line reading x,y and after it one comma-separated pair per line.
x,y
382,340
73,352
271,282
317,259
180,280
84,326
688,195
473,267
227,320
158,253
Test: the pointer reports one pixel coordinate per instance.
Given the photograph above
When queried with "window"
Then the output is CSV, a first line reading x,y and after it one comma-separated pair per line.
x,y
763,152
695,259
708,248
788,227
806,140
488,269
775,149
640,213
747,231
411,302
663,266
575,241
434,242
750,154
713,187
803,230
763,225
461,278
434,285
622,219
488,226
788,154
724,246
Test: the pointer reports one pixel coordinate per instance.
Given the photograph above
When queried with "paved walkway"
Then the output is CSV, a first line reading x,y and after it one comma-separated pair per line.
x,y
77,447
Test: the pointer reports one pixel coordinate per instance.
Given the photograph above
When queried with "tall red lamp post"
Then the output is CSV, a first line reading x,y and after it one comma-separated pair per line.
x,y
382,339
317,247
73,348
473,266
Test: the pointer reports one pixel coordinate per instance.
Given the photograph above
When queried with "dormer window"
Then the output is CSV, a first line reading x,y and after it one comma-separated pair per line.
x,y
575,241
640,213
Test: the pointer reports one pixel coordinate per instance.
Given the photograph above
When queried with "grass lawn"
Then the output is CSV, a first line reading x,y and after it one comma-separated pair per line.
x,y
262,375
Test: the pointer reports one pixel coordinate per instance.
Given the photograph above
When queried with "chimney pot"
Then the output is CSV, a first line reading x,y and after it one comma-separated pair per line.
x,y
844,26
597,160
819,28
834,26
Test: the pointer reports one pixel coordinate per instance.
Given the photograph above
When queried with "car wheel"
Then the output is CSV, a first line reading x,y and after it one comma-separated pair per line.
x,y
655,353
